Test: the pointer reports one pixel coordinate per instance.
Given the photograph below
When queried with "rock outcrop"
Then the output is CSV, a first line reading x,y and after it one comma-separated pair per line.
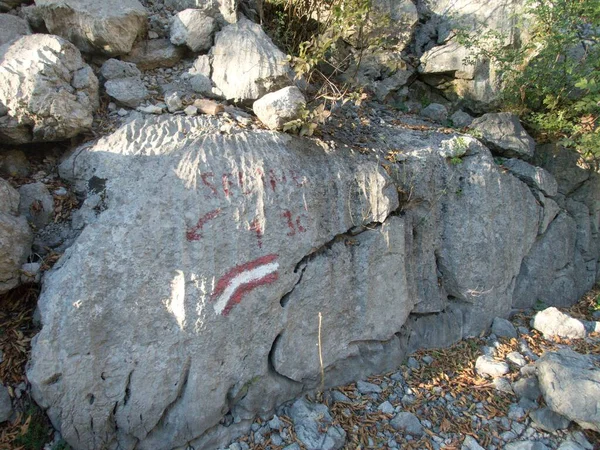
x,y
49,91
12,28
109,27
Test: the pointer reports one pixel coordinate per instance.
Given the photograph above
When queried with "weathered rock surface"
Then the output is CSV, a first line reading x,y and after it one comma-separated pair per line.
x,y
535,177
123,82
279,107
50,92
192,27
504,133
148,55
225,11
12,28
278,191
5,404
15,237
551,322
570,384
36,204
314,426
109,27
246,64
7,5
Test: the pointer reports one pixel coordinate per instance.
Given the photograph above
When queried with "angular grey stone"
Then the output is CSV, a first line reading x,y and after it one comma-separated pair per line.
x,y
367,388
12,28
570,384
563,164
488,366
190,110
570,445
150,109
109,27
526,445
192,27
36,204
503,328
527,387
147,55
173,102
175,297
504,133
314,427
547,420
551,322
516,412
549,212
279,107
436,112
275,423
534,176
31,273
202,85
246,64
470,443
461,119
386,408
516,358
339,397
33,15
46,103
225,11
503,385
5,404
114,68
408,423
127,91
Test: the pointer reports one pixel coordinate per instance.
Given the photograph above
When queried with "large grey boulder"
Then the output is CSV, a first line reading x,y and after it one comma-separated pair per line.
x,y
12,28
194,286
50,92
109,27
279,107
225,11
15,237
570,384
193,28
246,64
535,177
504,133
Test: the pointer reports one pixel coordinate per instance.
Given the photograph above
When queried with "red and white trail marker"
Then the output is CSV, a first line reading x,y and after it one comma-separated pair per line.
x,y
241,279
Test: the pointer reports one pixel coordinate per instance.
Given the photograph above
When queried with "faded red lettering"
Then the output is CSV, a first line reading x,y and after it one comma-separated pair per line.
x,y
256,227
226,184
207,183
192,233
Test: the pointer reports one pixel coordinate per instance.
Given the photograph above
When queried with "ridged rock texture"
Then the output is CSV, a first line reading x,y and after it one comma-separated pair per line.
x,y
217,265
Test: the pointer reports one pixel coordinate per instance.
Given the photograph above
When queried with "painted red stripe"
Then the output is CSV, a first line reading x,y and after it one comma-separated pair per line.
x,y
225,280
247,287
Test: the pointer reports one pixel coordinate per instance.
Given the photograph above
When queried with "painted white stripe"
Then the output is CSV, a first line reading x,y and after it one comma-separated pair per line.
x,y
243,278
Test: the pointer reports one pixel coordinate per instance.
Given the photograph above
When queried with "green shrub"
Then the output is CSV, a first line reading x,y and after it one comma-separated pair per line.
x,y
553,79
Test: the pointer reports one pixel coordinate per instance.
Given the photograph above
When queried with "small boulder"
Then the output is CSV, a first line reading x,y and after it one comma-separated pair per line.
x,y
246,64
109,27
461,119
551,322
436,112
123,82
364,387
37,204
314,427
408,423
193,28
114,69
173,101
147,55
277,108
504,134
570,384
526,445
488,366
528,388
51,93
470,443
12,28
503,328
547,420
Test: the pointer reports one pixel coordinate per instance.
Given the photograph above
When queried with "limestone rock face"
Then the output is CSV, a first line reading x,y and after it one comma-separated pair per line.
x,y
246,64
15,237
504,133
49,91
12,28
109,27
225,11
171,377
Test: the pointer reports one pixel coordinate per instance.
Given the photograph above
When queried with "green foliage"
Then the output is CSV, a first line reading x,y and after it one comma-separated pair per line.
x,y
308,121
61,445
553,79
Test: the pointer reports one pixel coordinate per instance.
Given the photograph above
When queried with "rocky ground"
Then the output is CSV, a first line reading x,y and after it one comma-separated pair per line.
x,y
480,393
